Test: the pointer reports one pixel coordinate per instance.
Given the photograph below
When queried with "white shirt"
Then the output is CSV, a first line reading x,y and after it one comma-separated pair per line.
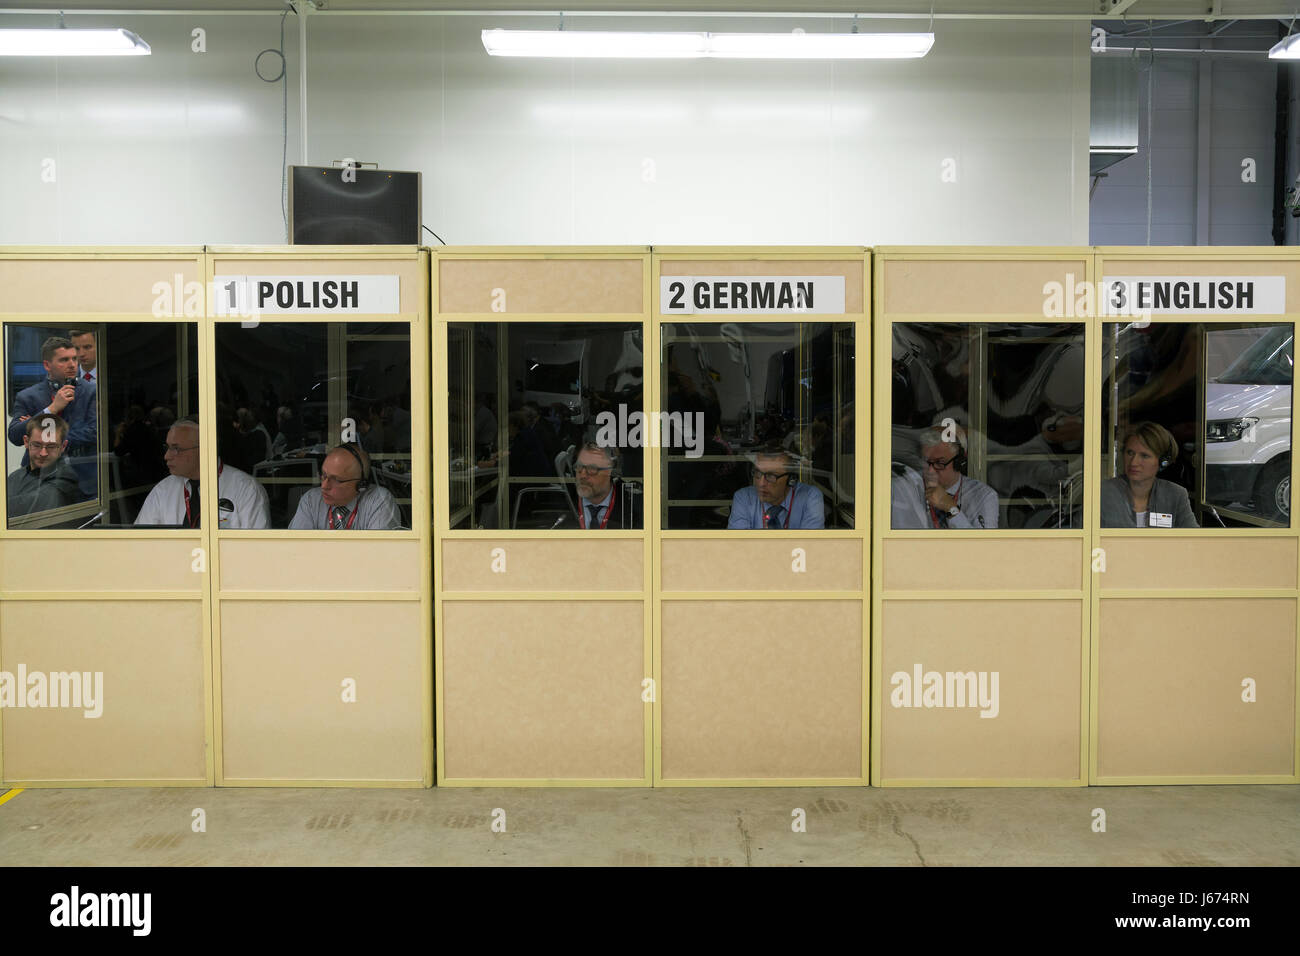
x,y
166,503
376,510
1141,518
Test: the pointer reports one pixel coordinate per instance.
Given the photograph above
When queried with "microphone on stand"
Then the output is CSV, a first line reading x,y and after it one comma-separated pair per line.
x,y
91,521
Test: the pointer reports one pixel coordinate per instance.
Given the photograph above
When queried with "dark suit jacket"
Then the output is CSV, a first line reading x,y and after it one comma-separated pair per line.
x,y
628,507
81,415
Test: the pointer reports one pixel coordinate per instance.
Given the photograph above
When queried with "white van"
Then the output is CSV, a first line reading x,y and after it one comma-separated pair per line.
x,y
1248,428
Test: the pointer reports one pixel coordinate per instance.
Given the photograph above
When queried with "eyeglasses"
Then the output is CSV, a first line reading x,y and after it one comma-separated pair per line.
x,y
42,446
177,449
772,476
592,469
331,480
939,464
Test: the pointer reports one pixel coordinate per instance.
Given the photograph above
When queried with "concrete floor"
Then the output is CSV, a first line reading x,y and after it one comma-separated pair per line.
x,y
1160,826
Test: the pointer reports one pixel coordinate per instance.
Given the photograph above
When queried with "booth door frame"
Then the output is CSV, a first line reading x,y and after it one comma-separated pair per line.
x,y
861,532
441,505
882,442
420,515
201,538
1223,256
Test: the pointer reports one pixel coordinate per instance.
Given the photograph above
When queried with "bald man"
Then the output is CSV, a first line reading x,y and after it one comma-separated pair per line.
x,y
241,501
345,500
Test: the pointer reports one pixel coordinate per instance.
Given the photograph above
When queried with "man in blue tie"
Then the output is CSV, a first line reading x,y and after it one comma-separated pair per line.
x,y
777,499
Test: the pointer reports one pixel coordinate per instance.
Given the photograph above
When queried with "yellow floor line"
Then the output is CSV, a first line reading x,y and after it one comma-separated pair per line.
x,y
10,795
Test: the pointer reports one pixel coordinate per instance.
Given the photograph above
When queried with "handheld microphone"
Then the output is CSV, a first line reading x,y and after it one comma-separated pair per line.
x,y
70,381
91,521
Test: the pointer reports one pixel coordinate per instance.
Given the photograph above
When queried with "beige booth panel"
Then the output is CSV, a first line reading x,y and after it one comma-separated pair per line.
x,y
99,564
561,564
1170,687
339,564
543,690
974,286
90,285
1033,647
577,286
1157,561
1288,267
283,665
762,689
989,564
762,565
151,725
851,269
412,285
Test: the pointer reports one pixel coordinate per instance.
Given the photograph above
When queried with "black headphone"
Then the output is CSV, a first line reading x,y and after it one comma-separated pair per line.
x,y
364,481
960,461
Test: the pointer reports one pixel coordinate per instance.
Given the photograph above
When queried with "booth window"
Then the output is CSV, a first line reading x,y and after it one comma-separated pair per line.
x,y
319,415
88,408
758,425
1196,424
526,401
987,426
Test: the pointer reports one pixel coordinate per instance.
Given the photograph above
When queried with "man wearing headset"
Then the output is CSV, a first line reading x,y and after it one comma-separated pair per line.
x,y
942,496
776,499
605,501
241,501
345,500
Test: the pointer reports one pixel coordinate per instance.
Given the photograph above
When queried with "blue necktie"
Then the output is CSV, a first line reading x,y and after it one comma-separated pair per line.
x,y
774,516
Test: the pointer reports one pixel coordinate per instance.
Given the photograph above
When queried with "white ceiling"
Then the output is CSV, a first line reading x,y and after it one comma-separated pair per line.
x,y
991,9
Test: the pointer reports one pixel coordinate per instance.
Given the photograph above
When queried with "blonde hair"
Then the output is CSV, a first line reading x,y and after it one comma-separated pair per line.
x,y
1156,437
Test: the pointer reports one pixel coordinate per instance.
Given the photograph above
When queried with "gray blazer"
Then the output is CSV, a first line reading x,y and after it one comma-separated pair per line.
x,y
1166,498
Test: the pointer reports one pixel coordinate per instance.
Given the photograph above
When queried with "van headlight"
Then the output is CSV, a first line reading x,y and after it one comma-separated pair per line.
x,y
1228,429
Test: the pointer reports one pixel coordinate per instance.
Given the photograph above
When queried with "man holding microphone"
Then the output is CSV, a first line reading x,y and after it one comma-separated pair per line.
x,y
58,395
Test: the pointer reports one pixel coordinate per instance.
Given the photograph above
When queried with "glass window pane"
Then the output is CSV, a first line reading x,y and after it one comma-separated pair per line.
x,y
759,427
1196,424
95,461
526,399
987,425
318,414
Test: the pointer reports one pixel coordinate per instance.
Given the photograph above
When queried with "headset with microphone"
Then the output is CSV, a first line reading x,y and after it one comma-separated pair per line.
x,y
364,481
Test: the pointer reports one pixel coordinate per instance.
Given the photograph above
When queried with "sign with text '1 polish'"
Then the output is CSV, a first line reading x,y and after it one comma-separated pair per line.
x,y
311,295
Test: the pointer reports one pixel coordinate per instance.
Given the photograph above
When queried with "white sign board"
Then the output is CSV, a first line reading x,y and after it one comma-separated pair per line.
x,y
310,295
1194,295
751,295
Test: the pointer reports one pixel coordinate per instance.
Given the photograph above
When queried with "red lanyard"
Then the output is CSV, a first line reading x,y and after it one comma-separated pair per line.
x,y
329,516
189,518
787,510
582,511
956,500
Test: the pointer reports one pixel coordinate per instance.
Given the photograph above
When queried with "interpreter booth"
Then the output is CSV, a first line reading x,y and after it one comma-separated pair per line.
x,y
760,550
985,441
105,668
542,516
1194,620
317,372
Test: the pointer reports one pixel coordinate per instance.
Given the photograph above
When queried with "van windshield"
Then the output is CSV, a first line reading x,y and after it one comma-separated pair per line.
x,y
1268,361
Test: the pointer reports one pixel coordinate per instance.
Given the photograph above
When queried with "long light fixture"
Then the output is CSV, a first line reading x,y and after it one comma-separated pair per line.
x,y
756,46
1287,48
63,42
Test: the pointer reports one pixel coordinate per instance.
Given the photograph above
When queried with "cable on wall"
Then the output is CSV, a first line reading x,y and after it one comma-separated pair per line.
x,y
284,122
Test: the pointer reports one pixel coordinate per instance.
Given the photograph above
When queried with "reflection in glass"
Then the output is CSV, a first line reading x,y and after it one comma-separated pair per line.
x,y
117,388
1223,392
319,414
748,399
540,425
987,425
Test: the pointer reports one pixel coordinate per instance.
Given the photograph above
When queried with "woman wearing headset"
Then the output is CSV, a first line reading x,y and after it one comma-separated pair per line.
x,y
1137,498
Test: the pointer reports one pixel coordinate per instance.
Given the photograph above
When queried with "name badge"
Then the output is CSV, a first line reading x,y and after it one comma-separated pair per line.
x,y
1157,520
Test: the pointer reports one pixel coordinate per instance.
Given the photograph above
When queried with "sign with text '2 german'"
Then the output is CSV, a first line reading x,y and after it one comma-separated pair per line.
x,y
1195,295
311,295
751,295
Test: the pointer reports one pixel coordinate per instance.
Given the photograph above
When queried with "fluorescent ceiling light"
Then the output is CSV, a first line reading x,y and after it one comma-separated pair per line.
x,y
1286,49
62,42
762,46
